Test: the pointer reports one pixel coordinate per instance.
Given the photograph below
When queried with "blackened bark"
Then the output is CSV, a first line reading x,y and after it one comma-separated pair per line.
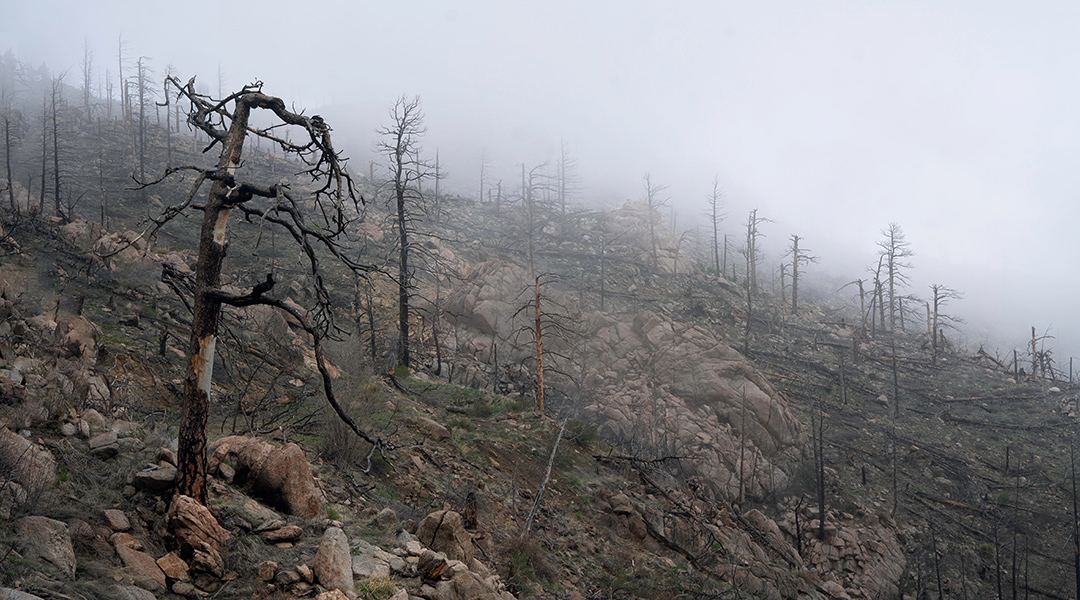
x,y
195,414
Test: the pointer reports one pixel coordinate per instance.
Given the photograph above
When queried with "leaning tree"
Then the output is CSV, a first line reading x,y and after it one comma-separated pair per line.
x,y
227,123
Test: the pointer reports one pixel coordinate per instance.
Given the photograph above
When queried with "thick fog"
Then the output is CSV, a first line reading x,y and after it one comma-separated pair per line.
x,y
957,120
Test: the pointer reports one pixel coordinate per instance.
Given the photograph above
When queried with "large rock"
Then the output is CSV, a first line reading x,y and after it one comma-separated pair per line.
x,y
142,567
444,531
371,561
47,539
333,561
198,535
157,478
78,338
280,475
26,462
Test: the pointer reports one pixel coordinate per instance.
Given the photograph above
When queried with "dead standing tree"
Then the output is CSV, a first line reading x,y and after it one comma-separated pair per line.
x,y
653,204
939,320
550,319
401,145
334,196
716,215
799,257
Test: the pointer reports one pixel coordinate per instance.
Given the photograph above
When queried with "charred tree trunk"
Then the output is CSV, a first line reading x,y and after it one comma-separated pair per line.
x,y
191,451
56,150
7,164
539,351
795,257
44,150
403,280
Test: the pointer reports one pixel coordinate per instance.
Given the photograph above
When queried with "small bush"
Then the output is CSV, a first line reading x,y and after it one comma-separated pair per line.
x,y
526,565
582,433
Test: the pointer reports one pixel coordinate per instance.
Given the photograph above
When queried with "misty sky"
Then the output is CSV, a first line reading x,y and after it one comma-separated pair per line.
x,y
957,120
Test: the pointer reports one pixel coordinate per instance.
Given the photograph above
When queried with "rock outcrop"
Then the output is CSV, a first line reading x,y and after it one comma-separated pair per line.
x,y
666,388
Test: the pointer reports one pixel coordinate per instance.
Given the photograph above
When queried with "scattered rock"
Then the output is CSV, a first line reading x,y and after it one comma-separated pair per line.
x,y
433,429
288,533
386,518
126,539
48,539
117,520
444,531
166,455
332,595
174,567
333,561
267,570
156,479
183,588
130,592
371,561
143,568
104,445
432,565
199,536
25,462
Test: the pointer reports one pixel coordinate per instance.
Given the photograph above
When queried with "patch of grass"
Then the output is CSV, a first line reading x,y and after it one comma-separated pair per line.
x,y
375,588
462,423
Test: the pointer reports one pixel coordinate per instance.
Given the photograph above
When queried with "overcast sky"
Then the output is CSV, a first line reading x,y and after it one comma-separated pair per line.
x,y
957,120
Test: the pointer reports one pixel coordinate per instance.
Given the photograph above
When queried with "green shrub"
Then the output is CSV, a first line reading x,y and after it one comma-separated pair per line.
x,y
582,433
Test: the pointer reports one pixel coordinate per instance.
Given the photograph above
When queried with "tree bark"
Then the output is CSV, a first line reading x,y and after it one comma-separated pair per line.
x,y
539,352
195,414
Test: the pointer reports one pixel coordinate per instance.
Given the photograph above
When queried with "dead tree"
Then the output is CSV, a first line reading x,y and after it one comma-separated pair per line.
x,y
226,122
751,251
56,103
938,319
567,181
653,203
716,215
862,302
550,319
531,185
88,75
12,127
485,164
799,257
401,145
894,249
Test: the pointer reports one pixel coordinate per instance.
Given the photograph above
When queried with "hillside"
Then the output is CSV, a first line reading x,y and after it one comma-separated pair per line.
x,y
681,452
